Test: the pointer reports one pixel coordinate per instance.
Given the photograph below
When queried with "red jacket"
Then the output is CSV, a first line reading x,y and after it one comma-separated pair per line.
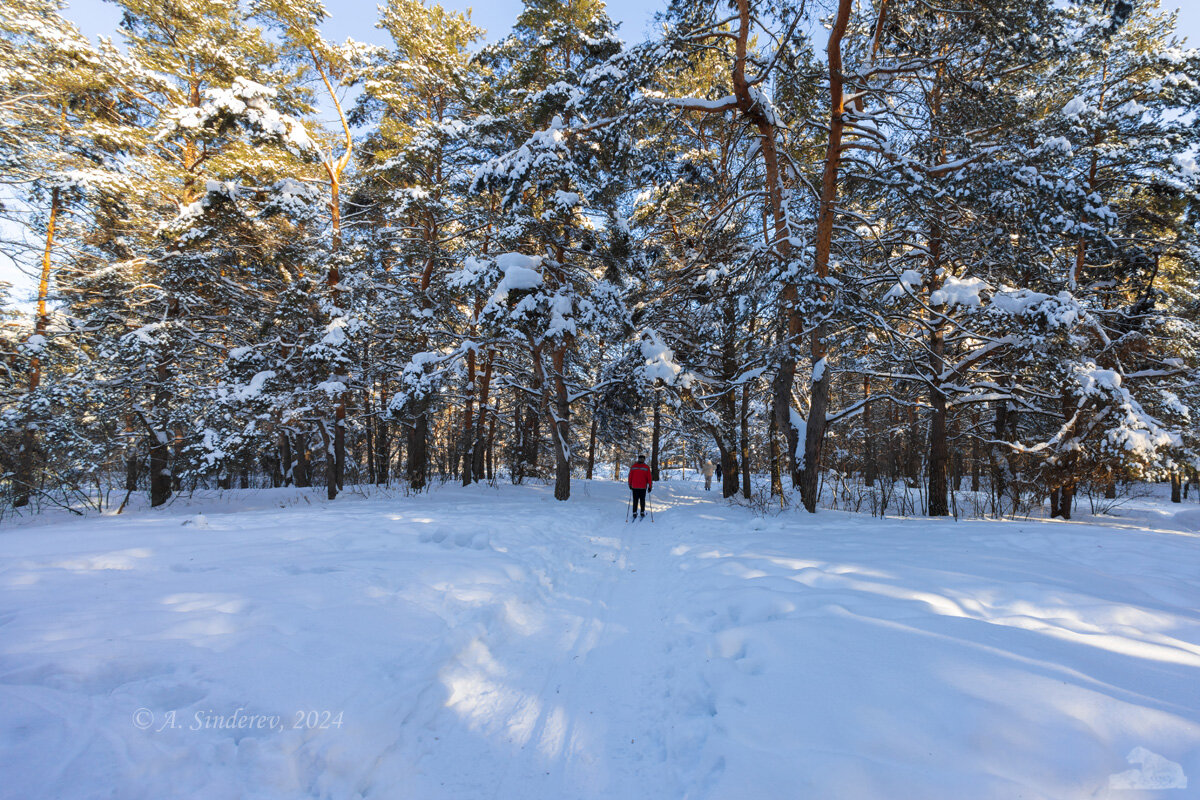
x,y
639,476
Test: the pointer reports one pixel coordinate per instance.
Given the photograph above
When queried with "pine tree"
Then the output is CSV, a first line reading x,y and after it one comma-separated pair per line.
x,y
65,124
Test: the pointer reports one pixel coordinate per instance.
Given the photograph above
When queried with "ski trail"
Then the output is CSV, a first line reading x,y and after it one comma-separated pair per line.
x,y
618,747
567,671
576,703
600,732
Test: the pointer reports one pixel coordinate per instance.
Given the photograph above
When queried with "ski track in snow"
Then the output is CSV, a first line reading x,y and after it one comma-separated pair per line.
x,y
492,643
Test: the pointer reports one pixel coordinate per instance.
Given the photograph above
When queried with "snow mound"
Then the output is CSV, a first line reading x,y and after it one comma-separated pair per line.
x,y
446,537
1154,772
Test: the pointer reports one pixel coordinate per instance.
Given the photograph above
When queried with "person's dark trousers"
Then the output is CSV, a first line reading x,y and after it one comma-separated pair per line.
x,y
639,497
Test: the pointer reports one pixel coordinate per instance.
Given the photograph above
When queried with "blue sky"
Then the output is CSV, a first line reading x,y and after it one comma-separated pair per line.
x,y
356,18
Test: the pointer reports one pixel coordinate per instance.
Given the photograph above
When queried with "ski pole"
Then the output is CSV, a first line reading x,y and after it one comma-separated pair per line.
x,y
628,506
650,503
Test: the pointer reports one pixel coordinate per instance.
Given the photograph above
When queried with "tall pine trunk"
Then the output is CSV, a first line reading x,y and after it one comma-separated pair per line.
x,y
814,436
774,456
23,481
561,425
417,466
161,479
591,456
654,436
745,438
382,440
870,461
479,448
132,461
939,505
467,437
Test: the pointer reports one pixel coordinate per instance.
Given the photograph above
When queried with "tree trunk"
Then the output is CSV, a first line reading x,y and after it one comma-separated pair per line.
x,y
975,454
161,479
939,505
591,458
491,449
1176,488
479,448
23,481
468,423
815,430
273,467
132,462
746,440
1066,467
369,426
532,434
417,467
329,441
657,428
773,455
176,478
160,469
729,470
785,378
561,425
516,451
814,438
382,442
336,450
303,462
336,470
285,458
870,463
1066,499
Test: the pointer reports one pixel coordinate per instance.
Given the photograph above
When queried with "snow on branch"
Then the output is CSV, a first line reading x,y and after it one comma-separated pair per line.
x,y
245,104
727,103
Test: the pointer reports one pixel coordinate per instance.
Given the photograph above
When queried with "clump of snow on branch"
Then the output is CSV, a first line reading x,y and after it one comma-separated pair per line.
x,y
959,292
909,281
520,273
660,362
247,103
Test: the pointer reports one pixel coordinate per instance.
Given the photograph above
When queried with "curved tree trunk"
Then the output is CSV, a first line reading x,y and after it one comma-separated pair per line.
x,y
814,434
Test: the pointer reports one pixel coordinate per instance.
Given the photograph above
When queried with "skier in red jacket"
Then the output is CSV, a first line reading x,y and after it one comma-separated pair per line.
x,y
640,482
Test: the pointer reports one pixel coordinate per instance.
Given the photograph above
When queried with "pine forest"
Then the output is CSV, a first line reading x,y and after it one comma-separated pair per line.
x,y
938,256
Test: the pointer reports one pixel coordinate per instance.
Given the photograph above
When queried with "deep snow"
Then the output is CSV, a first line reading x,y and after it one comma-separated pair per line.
x,y
492,643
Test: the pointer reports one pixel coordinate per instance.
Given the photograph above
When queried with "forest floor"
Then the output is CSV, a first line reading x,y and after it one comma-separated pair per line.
x,y
493,643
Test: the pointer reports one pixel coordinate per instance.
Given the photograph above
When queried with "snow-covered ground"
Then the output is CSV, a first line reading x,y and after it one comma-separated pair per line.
x,y
492,643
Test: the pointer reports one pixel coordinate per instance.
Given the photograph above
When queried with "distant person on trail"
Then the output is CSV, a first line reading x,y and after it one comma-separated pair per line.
x,y
718,471
708,474
640,482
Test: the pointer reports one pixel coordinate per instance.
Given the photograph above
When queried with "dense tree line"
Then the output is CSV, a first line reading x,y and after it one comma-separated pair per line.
x,y
866,243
